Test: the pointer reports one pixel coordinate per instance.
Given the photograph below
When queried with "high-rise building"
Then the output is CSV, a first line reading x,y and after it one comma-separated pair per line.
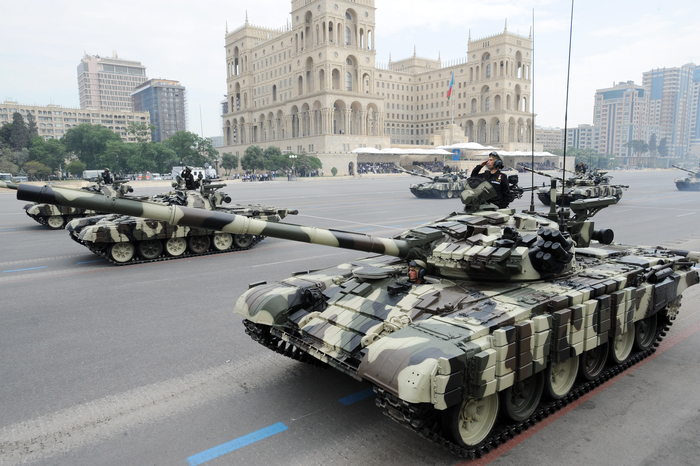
x,y
583,137
314,86
550,138
53,121
166,102
670,105
621,114
695,112
107,83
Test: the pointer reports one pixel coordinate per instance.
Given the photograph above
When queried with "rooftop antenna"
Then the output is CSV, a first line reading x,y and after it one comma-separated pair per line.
x,y
532,136
566,112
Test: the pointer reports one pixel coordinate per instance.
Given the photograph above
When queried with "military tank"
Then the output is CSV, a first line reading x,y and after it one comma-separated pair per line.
x,y
444,186
127,239
689,183
56,217
583,185
471,328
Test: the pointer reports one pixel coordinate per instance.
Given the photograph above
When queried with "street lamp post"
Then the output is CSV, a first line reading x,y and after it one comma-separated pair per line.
x,y
293,157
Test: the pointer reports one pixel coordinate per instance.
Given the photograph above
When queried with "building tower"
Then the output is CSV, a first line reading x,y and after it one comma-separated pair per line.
x,y
107,83
309,85
166,102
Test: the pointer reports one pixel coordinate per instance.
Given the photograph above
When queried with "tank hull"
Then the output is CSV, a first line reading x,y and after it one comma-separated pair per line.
x,y
688,184
572,194
439,190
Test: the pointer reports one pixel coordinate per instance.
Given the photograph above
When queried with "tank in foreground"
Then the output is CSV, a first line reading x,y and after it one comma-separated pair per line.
x,y
126,239
583,185
690,182
511,316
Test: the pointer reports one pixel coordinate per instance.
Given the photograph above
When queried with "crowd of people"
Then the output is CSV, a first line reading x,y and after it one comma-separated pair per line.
x,y
538,166
381,167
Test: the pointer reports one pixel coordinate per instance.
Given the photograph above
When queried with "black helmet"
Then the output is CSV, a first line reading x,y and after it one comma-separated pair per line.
x,y
107,169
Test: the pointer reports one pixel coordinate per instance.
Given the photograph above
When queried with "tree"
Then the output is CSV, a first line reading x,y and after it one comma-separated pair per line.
x,y
638,146
51,153
31,126
142,131
274,160
89,143
652,144
36,170
76,167
19,135
191,149
229,162
253,159
663,149
334,171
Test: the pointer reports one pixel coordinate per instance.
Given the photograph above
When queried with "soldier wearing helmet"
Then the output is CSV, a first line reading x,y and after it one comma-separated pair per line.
x,y
107,176
190,182
417,271
497,179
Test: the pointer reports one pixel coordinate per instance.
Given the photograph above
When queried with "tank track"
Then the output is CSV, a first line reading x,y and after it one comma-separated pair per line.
x,y
419,420
104,253
262,335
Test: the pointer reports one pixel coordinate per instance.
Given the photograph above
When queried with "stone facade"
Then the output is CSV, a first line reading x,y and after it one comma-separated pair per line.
x,y
313,86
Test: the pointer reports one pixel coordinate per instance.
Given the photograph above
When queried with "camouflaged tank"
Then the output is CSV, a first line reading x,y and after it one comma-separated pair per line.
x,y
689,183
589,185
127,239
505,318
56,217
445,186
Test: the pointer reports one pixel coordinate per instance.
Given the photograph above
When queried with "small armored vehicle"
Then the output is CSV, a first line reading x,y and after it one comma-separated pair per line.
x,y
583,185
56,217
471,328
689,183
126,239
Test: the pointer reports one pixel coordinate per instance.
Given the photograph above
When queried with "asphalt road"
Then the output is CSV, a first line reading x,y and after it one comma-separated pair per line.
x,y
147,364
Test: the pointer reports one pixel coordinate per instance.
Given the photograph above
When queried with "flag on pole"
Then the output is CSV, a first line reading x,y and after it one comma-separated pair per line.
x,y
452,82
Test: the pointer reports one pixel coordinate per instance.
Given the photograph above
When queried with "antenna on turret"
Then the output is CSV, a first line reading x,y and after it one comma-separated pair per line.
x,y
532,136
566,114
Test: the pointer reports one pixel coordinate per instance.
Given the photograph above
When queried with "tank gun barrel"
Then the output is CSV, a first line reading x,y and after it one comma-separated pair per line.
x,y
219,221
543,174
401,169
686,170
8,185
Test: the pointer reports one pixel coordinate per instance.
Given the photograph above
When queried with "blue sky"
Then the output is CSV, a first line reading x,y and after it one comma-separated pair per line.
x,y
613,41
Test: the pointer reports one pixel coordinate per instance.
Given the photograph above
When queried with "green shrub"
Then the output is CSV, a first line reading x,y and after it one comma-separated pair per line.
x,y
334,171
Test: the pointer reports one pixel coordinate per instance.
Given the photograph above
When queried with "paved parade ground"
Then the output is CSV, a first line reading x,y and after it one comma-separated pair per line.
x,y
147,364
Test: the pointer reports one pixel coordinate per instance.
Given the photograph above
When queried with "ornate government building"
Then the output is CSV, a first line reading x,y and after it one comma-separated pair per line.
x,y
313,86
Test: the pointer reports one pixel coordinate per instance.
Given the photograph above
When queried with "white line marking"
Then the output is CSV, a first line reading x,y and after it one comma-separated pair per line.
x,y
685,215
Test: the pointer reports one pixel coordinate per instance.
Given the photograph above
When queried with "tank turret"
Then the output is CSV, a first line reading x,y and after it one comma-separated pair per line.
x,y
468,327
689,183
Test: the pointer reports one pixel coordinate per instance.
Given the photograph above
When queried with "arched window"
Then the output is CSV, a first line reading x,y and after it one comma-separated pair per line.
x,y
488,70
348,81
487,104
347,36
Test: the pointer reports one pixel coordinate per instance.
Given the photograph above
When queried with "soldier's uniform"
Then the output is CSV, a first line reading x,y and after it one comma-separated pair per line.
x,y
499,181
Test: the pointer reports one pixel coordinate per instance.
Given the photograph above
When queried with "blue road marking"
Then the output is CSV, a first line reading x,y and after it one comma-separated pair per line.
x,y
235,444
393,226
355,397
22,270
8,229
90,262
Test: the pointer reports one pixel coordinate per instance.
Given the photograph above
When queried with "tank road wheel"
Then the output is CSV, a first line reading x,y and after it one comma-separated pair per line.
x,y
592,362
443,195
243,241
470,422
450,194
645,333
175,246
150,249
622,347
55,222
199,244
519,400
560,378
222,241
122,252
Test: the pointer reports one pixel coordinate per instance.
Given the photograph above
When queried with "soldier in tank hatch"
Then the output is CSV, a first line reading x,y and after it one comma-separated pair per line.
x,y
497,179
416,271
107,176
190,182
